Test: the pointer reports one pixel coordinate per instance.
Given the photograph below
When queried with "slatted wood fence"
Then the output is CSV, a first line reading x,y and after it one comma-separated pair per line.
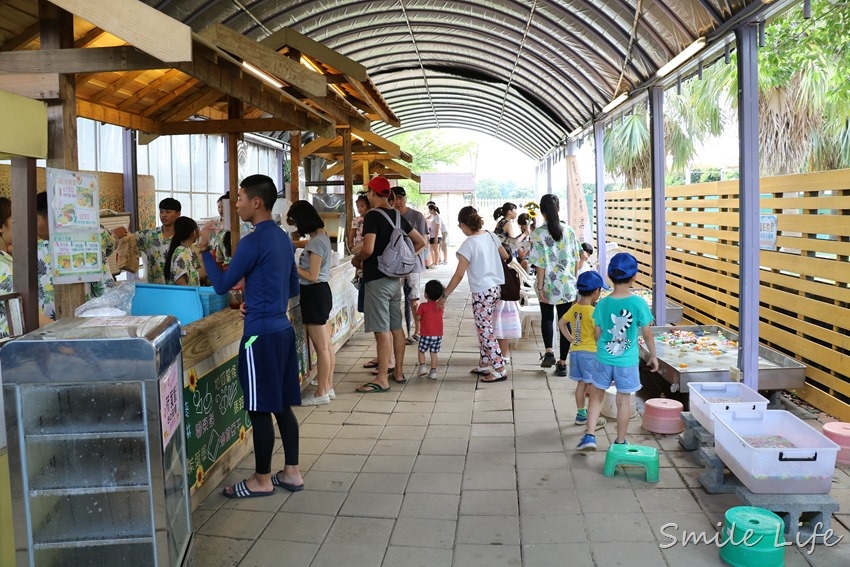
x,y
805,282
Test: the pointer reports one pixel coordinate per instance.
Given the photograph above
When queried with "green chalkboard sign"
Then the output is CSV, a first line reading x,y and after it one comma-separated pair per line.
x,y
215,417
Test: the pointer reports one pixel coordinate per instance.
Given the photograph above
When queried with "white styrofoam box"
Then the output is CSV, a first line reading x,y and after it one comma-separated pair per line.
x,y
807,467
609,403
708,397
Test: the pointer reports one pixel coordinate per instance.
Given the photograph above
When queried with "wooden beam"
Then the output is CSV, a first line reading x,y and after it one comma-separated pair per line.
x,y
22,39
377,105
148,89
227,78
287,37
315,144
40,87
112,88
89,60
191,105
348,179
267,60
166,99
294,165
337,108
109,115
224,126
138,24
398,168
25,260
391,148
334,169
89,37
234,112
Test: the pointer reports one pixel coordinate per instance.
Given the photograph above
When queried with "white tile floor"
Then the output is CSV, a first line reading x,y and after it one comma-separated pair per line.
x,y
458,473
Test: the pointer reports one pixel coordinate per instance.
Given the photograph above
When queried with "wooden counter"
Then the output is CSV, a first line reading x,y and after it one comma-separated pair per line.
x,y
218,431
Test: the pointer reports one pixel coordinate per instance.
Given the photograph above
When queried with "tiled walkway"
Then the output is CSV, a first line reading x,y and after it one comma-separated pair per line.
x,y
454,472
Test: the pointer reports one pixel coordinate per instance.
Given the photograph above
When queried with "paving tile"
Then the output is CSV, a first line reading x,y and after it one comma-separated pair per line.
x,y
451,418
372,505
491,460
314,502
487,556
360,531
629,553
313,446
447,432
602,499
416,432
541,479
339,463
547,502
540,444
666,525
617,527
444,447
396,447
533,404
267,552
320,431
334,481
389,463
434,483
434,506
424,532
548,555
488,530
454,396
680,500
351,446
491,405
492,430
414,407
552,529
419,418
492,417
534,416
290,526
356,431
453,407
372,405
440,463
489,479
213,551
417,557
489,503
237,524
336,554
540,461
387,483
491,444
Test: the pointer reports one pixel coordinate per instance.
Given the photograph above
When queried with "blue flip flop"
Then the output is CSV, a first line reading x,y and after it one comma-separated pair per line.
x,y
241,490
285,485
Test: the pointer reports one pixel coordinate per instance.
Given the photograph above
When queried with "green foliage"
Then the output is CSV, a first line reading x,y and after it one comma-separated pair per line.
x,y
504,190
429,150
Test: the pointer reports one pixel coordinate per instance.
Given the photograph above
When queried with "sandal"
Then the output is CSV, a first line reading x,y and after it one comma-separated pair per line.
x,y
285,485
371,364
241,490
397,381
480,371
389,371
371,388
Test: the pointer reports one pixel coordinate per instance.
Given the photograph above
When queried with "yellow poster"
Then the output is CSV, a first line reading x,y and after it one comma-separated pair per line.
x,y
578,214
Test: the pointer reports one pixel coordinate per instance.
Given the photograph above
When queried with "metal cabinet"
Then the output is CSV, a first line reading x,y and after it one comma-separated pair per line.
x,y
96,443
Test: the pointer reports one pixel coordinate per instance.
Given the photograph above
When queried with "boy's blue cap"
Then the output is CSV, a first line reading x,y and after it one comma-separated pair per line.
x,y
622,266
590,281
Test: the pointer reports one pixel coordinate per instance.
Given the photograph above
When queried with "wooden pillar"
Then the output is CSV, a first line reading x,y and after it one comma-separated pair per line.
x,y
234,112
131,178
348,174
25,259
294,166
56,28
365,173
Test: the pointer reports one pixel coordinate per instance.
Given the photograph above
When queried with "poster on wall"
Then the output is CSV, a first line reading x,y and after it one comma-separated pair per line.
x,y
73,215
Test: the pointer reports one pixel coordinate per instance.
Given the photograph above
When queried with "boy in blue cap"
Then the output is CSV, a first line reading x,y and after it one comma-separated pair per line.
x,y
618,318
578,327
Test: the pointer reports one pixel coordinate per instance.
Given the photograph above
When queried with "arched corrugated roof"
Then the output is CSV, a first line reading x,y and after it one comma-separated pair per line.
x,y
528,72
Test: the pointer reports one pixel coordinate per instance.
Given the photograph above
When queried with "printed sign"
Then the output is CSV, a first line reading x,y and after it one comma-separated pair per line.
x,y
73,214
215,416
767,232
169,403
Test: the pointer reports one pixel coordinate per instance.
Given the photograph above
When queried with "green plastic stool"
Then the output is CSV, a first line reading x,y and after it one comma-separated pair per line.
x,y
635,455
753,537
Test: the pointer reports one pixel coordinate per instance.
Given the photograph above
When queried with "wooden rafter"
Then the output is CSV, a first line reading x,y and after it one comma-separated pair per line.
x,y
22,39
67,61
102,113
190,106
225,126
151,110
114,87
318,143
287,37
391,148
148,89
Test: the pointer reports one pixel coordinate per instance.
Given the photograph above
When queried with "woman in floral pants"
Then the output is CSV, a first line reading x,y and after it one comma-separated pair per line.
x,y
481,257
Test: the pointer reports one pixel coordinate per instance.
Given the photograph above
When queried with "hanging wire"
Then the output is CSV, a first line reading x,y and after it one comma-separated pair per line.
x,y
629,49
250,15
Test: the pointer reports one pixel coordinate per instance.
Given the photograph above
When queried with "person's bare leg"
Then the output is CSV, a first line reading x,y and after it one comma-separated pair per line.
x,y
320,338
623,415
398,344
594,407
581,394
332,354
414,306
384,342
505,345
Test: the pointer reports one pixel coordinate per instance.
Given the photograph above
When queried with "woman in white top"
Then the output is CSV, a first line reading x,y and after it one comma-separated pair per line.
x,y
481,257
434,232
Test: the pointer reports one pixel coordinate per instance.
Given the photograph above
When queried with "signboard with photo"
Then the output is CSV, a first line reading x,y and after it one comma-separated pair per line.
x,y
74,216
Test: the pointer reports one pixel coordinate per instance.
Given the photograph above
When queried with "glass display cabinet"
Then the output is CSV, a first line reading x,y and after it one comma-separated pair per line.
x,y
96,443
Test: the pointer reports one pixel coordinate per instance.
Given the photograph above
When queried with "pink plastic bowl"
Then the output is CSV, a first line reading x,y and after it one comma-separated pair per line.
x,y
662,415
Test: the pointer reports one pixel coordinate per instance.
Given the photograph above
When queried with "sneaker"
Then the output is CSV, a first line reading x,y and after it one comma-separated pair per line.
x,y
623,442
587,443
314,382
561,369
316,400
331,394
423,369
547,360
581,418
432,374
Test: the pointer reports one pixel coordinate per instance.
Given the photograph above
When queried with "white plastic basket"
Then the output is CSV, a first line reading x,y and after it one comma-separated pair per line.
x,y
708,397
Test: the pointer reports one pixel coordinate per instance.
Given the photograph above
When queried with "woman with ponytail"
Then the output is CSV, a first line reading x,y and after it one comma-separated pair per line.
x,y
555,253
182,266
481,257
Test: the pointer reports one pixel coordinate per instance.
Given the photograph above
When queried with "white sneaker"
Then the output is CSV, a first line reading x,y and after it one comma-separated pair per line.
x,y
432,374
331,393
506,359
423,369
314,382
316,400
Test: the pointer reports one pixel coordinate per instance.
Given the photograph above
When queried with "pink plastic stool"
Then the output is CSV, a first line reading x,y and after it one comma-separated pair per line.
x,y
840,433
662,415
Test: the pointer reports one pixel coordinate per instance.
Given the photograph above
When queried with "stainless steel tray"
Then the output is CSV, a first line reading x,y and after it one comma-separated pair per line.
x,y
776,371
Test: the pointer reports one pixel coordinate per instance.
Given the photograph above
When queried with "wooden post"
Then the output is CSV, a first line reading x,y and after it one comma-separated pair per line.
x,y
234,111
131,178
294,166
56,28
348,174
25,259
365,173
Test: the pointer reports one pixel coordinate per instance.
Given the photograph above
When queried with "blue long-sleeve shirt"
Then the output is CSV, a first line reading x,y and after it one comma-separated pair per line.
x,y
266,259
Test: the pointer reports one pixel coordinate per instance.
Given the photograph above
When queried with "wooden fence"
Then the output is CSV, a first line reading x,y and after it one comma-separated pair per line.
x,y
805,282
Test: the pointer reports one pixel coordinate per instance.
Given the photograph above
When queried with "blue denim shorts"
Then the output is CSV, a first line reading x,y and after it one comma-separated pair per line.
x,y
625,378
582,365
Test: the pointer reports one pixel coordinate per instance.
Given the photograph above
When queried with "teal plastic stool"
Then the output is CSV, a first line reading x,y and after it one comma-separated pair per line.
x,y
753,538
635,455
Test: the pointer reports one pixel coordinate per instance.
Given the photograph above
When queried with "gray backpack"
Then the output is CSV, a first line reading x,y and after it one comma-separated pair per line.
x,y
398,258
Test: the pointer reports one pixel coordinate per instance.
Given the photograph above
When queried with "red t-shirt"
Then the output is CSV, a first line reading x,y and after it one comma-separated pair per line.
x,y
430,319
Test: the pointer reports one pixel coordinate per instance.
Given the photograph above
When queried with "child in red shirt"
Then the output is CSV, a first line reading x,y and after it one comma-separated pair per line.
x,y
430,317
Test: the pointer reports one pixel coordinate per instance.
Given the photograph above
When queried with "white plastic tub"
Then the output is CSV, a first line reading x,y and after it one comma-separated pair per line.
x,y
773,451
708,397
